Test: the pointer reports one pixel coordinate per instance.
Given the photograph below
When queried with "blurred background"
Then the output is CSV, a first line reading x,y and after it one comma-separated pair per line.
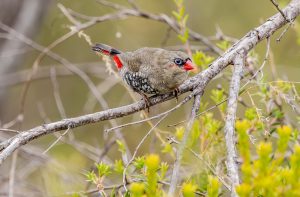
x,y
55,93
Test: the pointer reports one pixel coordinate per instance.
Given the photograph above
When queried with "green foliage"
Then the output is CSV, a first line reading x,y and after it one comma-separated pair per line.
x,y
139,162
179,133
91,176
243,138
163,170
269,170
152,165
103,169
167,148
213,187
274,172
181,18
121,146
194,136
224,45
218,96
202,60
185,36
188,189
137,189
119,167
250,114
284,133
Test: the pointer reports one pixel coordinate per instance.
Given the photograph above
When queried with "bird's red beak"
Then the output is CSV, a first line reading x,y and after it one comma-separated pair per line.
x,y
188,65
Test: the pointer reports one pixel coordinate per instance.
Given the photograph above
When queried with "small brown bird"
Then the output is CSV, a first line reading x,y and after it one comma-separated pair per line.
x,y
150,70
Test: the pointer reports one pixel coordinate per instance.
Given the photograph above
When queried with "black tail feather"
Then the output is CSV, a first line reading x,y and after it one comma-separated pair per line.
x,y
105,49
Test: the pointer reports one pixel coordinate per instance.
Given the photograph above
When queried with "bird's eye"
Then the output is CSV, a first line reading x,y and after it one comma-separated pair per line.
x,y
178,61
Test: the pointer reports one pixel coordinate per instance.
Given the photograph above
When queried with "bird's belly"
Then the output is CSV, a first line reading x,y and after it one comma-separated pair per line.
x,y
139,83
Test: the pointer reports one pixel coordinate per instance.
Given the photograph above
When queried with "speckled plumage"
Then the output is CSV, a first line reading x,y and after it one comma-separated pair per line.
x,y
150,70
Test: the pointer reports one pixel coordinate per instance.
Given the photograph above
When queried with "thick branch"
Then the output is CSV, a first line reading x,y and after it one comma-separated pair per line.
x,y
232,168
200,80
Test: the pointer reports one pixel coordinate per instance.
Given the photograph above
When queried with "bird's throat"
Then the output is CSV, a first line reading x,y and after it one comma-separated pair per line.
x,y
118,61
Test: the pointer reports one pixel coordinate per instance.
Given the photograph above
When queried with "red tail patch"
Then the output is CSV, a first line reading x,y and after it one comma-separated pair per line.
x,y
105,52
118,61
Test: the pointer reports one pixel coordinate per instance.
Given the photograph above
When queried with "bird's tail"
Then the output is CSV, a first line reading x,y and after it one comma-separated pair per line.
x,y
105,49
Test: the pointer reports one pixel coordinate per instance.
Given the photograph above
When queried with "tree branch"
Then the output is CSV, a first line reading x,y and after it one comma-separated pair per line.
x,y
232,168
200,81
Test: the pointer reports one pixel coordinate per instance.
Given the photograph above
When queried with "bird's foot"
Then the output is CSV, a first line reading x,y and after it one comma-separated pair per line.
x,y
147,101
175,92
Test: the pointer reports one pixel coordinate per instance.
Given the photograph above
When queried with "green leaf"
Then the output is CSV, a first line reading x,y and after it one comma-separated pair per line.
x,y
181,11
195,133
213,187
167,148
184,20
139,162
186,34
250,114
202,60
103,169
179,133
91,176
224,45
121,146
163,169
118,166
177,15
182,38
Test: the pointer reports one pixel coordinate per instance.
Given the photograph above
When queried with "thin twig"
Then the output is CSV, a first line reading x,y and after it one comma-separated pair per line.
x,y
57,140
138,147
285,18
262,65
9,130
179,154
111,4
133,4
279,10
126,12
57,97
284,31
12,174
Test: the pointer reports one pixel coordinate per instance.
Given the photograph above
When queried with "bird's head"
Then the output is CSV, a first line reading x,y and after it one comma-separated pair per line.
x,y
180,60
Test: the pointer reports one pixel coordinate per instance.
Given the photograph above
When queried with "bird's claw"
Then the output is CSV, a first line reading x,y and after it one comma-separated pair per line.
x,y
147,102
175,92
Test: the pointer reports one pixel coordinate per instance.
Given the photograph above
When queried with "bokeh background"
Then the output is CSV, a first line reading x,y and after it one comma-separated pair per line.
x,y
62,168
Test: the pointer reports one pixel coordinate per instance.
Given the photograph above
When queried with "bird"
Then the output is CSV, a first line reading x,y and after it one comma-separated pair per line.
x,y
150,71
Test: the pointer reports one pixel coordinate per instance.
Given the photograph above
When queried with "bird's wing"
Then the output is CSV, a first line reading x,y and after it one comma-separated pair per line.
x,y
140,60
